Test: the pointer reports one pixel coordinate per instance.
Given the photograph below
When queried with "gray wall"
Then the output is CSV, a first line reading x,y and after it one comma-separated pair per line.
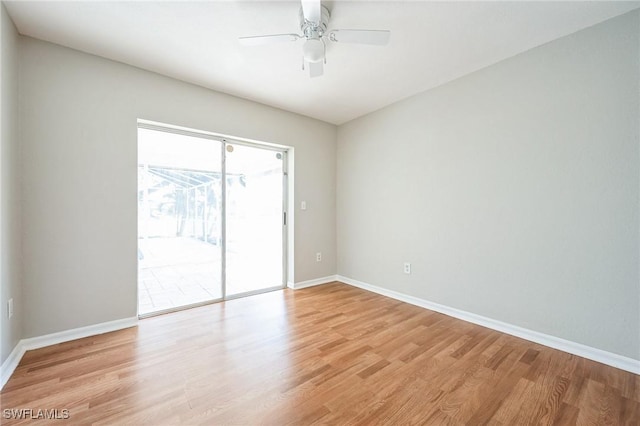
x,y
10,256
513,191
78,135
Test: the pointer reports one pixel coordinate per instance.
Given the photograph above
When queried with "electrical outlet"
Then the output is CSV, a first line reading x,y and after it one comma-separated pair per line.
x,y
318,257
10,308
407,268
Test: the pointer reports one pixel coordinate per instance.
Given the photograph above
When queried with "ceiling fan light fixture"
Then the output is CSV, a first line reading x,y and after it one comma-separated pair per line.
x,y
313,50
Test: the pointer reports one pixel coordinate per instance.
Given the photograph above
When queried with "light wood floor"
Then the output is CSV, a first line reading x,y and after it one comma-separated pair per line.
x,y
331,354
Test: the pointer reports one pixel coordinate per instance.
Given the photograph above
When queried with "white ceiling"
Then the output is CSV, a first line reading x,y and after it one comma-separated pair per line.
x,y
431,43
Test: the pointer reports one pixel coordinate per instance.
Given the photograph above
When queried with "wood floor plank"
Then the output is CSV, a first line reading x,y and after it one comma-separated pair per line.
x,y
331,354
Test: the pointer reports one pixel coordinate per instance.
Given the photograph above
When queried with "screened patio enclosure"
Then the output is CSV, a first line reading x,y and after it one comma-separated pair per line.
x,y
180,202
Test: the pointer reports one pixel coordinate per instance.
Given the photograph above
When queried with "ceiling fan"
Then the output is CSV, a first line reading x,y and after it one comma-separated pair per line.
x,y
314,21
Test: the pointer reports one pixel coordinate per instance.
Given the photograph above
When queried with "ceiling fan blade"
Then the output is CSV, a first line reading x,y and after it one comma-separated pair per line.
x,y
311,10
268,39
316,69
375,37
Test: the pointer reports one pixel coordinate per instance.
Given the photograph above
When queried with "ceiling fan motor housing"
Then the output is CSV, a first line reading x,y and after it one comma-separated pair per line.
x,y
315,29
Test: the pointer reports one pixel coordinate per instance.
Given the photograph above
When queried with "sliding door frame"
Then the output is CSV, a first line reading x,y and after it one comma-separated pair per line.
x,y
224,142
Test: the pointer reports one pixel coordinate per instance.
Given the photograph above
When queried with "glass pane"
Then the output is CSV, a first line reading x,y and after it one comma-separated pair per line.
x,y
254,210
179,220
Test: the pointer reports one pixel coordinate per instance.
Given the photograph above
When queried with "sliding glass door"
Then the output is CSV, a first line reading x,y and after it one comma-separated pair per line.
x,y
254,219
210,219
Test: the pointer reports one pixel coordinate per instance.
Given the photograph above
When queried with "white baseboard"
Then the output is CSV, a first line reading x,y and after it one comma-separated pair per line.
x,y
10,364
604,357
311,283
